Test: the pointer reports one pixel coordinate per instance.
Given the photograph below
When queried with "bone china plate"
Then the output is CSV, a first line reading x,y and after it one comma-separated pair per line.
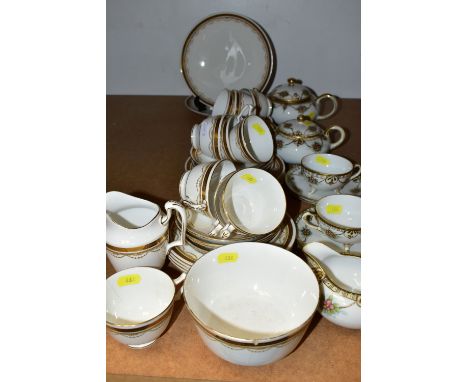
x,y
226,51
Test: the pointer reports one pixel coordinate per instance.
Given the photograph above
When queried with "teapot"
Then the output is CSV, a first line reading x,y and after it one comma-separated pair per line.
x,y
291,99
339,277
301,136
137,231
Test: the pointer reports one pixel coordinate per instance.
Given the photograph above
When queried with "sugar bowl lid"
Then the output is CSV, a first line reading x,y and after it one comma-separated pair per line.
x,y
292,93
303,127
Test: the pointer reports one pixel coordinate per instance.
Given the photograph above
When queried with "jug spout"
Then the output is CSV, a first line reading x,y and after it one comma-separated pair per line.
x,y
131,221
318,250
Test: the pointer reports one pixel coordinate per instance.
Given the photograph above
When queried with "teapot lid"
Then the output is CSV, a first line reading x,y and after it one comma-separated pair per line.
x,y
301,127
292,93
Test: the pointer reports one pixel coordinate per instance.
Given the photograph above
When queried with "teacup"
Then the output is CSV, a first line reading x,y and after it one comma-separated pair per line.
x,y
139,304
197,186
246,140
249,201
327,172
232,102
338,217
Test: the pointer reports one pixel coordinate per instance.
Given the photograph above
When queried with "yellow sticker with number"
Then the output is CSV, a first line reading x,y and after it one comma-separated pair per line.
x,y
259,129
129,280
335,209
249,178
228,257
322,160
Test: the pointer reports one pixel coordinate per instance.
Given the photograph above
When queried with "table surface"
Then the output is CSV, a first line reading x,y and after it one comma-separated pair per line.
x,y
148,141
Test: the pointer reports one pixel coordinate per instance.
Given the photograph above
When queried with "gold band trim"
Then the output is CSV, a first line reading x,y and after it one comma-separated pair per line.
x,y
137,249
166,313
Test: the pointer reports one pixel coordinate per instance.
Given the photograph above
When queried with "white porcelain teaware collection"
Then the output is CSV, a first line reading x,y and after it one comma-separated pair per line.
x,y
250,297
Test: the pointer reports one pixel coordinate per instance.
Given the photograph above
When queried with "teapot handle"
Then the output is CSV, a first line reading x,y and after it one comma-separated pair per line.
x,y
169,206
322,98
334,145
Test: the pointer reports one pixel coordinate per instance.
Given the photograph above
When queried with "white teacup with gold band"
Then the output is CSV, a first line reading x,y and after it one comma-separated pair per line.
x,y
327,172
338,217
139,304
247,140
291,99
340,284
301,136
137,231
232,102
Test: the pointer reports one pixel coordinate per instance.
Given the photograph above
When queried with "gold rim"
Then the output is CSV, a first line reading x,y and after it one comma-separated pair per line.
x,y
332,283
166,314
268,341
337,225
146,323
255,26
141,248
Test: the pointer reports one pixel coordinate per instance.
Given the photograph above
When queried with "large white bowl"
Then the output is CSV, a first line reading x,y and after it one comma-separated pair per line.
x,y
251,302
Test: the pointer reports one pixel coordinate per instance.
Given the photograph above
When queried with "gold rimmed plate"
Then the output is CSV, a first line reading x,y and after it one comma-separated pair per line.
x,y
226,51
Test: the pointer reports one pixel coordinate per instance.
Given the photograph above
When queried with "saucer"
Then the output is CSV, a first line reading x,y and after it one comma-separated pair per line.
x,y
193,104
300,186
307,234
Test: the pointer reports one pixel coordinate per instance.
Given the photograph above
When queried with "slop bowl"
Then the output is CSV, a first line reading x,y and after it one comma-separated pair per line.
x,y
251,302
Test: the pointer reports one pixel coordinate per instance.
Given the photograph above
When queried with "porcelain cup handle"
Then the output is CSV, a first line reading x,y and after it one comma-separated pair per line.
x,y
179,288
356,171
246,111
169,206
313,216
322,98
334,145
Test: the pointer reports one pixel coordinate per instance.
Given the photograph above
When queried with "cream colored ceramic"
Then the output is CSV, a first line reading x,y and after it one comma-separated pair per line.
x,y
136,231
246,140
339,217
139,304
327,172
249,317
292,99
301,136
226,51
252,202
340,284
307,234
197,107
197,186
232,102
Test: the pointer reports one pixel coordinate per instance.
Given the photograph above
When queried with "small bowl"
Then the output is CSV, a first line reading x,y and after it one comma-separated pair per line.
x,y
139,304
246,316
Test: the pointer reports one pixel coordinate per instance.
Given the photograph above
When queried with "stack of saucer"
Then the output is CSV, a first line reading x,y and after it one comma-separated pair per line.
x,y
239,130
225,205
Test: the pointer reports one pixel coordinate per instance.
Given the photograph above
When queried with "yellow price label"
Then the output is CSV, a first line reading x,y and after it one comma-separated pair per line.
x,y
311,115
228,257
334,209
322,160
129,280
249,178
259,129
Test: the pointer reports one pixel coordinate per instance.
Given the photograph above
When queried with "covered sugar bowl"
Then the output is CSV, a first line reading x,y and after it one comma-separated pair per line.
x,y
291,99
301,136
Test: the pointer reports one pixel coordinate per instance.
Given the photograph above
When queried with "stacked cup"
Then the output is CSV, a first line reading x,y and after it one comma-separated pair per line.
x,y
226,205
239,130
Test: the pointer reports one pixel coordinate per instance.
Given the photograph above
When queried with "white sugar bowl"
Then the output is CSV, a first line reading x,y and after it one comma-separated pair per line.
x,y
299,137
291,99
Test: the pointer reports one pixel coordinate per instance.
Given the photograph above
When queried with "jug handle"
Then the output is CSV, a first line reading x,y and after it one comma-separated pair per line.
x,y
169,206
322,98
334,145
